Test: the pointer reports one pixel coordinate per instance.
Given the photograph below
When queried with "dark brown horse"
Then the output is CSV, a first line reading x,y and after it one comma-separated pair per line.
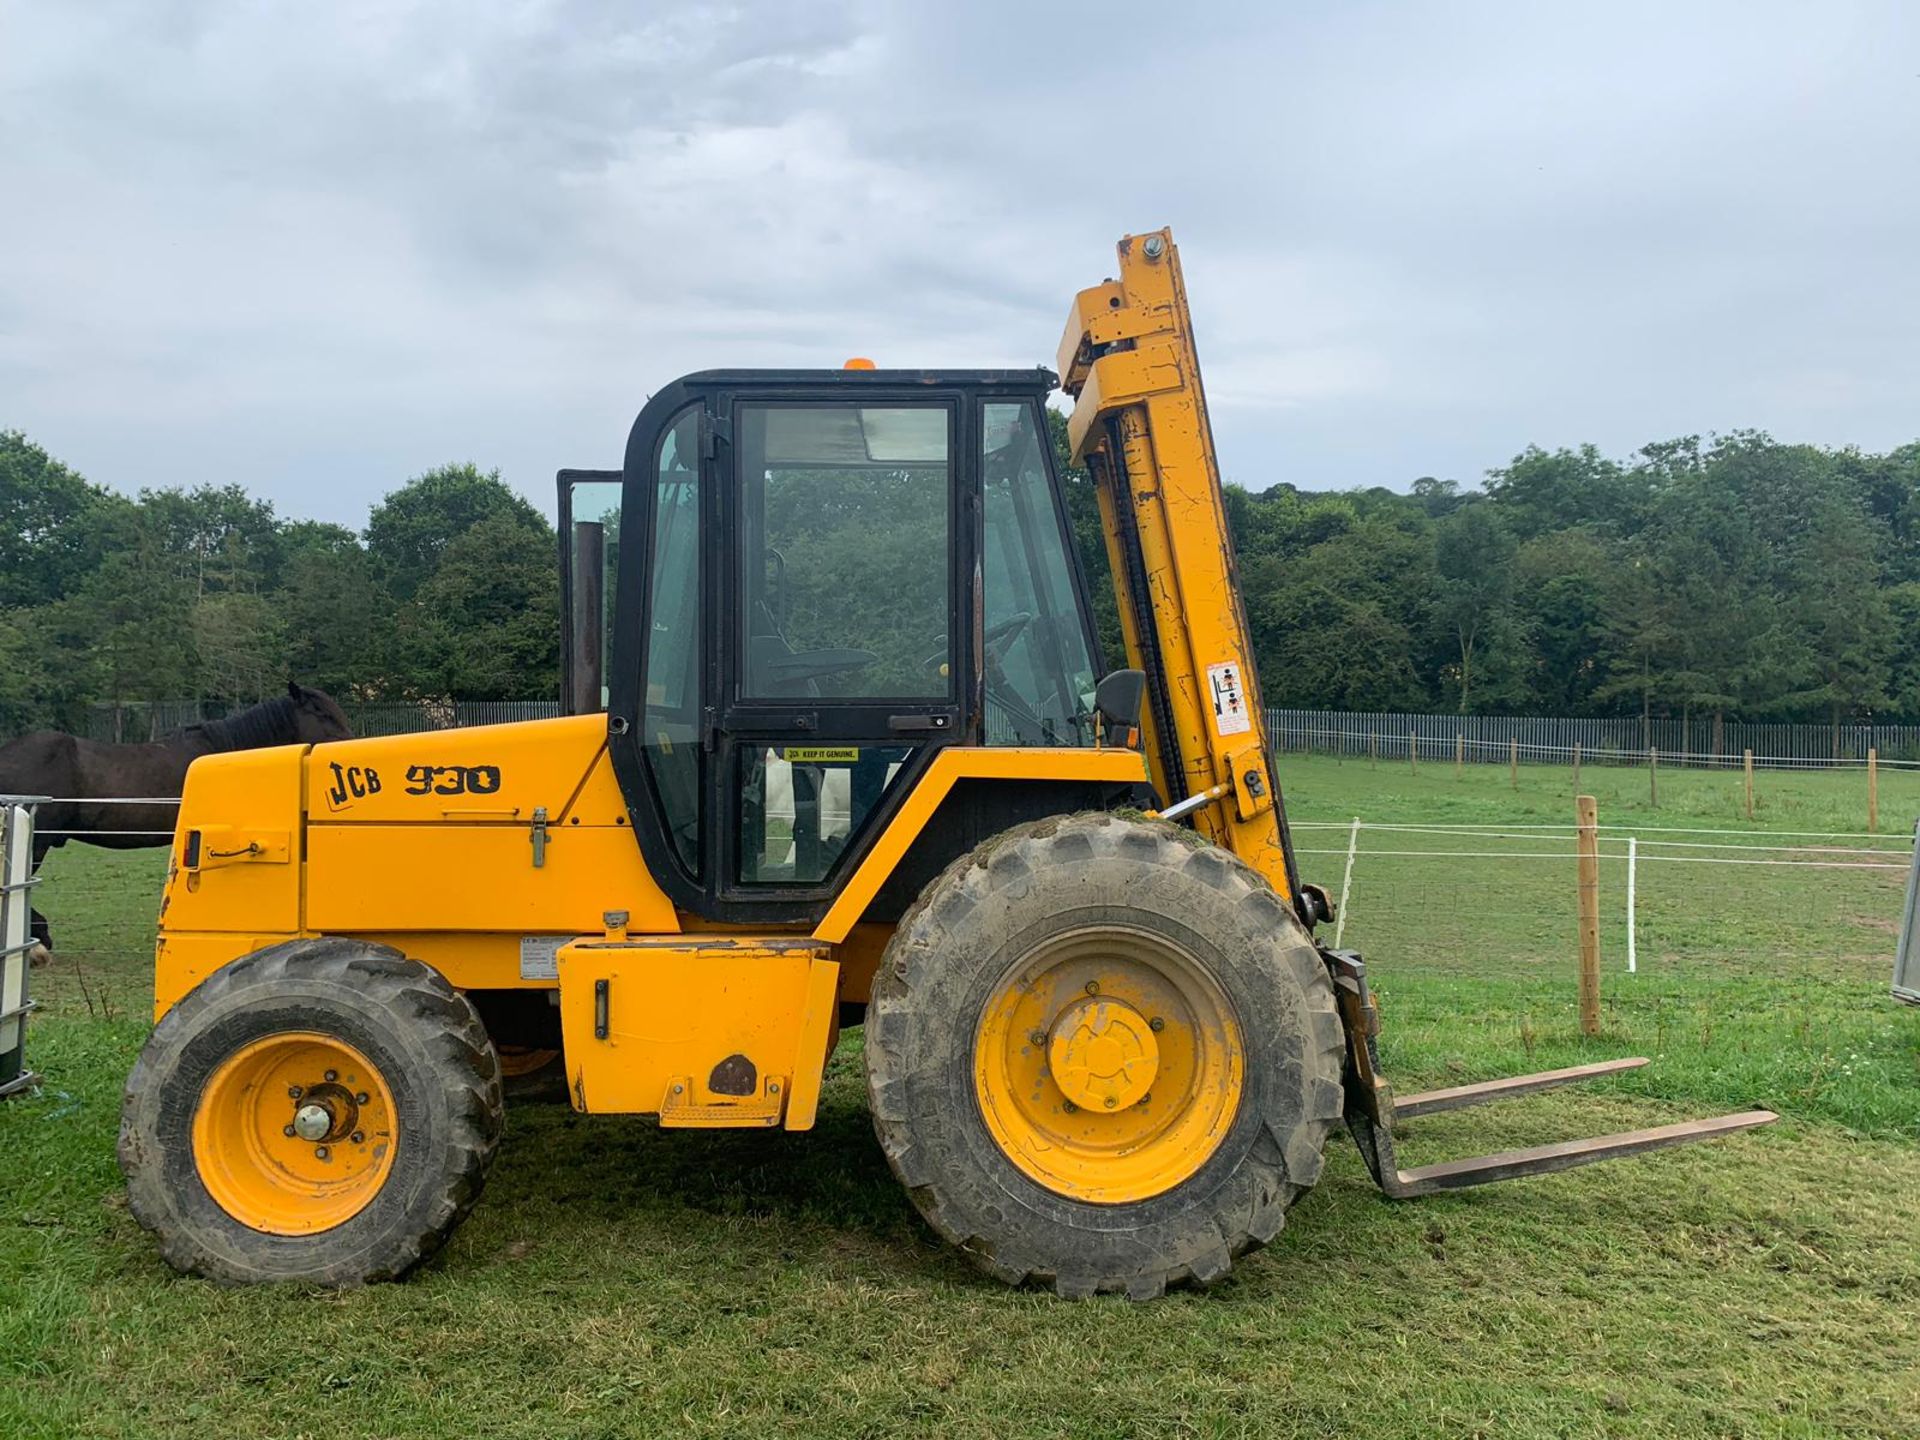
x,y
79,774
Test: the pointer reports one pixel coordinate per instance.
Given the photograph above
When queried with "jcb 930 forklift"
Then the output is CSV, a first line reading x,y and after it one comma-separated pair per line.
x,y
845,754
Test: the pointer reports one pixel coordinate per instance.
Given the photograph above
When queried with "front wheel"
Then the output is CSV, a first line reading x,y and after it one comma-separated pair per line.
x,y
1104,1055
324,1111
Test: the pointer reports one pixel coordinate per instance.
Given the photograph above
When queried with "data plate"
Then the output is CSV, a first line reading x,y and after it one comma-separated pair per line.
x,y
539,956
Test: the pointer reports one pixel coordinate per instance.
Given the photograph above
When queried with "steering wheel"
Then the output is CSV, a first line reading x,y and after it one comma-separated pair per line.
x,y
999,637
807,665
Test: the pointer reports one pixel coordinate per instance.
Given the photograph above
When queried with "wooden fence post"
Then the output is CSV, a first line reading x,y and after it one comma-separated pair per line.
x,y
1653,775
1587,820
1576,767
1873,791
1459,753
1746,762
1513,762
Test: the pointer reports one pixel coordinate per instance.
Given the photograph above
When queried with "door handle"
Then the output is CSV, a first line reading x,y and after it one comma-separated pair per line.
x,y
920,722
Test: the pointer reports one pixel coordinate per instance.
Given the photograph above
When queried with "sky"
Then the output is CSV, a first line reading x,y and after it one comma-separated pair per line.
x,y
320,248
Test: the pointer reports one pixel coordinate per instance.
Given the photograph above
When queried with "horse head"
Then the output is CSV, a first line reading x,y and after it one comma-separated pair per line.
x,y
316,717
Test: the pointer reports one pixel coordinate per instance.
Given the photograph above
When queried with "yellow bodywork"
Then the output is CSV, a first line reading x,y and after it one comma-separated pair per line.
x,y
473,849
503,855
1140,423
719,1031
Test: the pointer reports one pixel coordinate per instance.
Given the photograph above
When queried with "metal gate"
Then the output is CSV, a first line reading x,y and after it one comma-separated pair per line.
x,y
16,939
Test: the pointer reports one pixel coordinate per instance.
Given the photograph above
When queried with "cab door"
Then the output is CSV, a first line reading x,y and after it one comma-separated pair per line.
x,y
845,560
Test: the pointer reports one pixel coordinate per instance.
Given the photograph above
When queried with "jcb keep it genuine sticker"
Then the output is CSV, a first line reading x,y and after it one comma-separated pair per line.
x,y
540,956
1230,715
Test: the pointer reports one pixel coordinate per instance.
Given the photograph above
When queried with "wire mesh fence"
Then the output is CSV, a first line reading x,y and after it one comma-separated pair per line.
x,y
1504,893
1751,966
1500,900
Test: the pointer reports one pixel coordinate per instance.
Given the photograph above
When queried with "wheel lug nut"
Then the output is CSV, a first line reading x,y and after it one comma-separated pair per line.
x,y
1072,1109
288,1132
1110,1102
331,1076
1156,1024
1093,987
320,1152
295,1092
1037,1038
361,1098
358,1137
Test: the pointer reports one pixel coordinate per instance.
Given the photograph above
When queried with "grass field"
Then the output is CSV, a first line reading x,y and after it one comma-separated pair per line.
x,y
621,1280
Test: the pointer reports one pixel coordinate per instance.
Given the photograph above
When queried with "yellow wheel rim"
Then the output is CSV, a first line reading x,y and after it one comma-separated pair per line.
x,y
295,1133
1109,1066
518,1060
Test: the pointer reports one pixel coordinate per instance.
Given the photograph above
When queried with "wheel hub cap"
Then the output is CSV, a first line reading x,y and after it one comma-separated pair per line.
x,y
1103,1054
1108,1064
295,1133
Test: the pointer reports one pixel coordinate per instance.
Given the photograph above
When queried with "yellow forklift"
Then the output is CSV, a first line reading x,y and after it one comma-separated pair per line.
x,y
845,753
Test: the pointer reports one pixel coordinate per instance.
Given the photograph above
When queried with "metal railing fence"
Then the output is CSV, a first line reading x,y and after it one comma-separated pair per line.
x,y
1494,739
1483,739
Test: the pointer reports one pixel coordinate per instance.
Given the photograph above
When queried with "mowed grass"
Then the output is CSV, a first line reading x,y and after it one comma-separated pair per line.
x,y
623,1280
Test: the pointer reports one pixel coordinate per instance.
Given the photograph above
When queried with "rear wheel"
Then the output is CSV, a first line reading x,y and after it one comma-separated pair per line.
x,y
1103,1055
532,1075
324,1110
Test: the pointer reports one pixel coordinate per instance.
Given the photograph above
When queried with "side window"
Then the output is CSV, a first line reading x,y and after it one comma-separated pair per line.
x,y
592,507
670,737
844,518
1039,668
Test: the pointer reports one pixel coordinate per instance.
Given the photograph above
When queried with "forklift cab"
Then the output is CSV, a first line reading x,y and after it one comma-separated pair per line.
x,y
828,577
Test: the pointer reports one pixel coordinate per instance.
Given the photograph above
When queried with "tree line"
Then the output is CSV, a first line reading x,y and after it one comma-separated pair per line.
x,y
1734,577
451,591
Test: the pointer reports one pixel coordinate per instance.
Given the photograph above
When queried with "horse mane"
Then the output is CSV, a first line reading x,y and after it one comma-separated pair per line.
x,y
271,722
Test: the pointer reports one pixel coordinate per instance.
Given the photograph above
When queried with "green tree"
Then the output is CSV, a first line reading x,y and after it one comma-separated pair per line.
x,y
1642,627
241,645
408,532
127,629
25,680
1338,626
1473,602
1539,492
1846,617
217,537
1560,585
54,526
339,623
486,624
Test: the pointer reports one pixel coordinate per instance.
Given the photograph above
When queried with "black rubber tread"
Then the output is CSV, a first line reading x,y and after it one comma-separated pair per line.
x,y
431,1048
971,927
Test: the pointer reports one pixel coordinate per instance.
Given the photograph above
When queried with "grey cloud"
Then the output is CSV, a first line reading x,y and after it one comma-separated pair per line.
x,y
320,248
